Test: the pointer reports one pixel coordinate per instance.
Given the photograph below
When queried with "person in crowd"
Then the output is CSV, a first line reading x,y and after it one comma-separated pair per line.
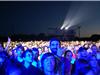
x,y
94,49
86,46
19,51
46,49
17,54
79,65
86,55
49,64
4,57
55,47
94,64
27,68
35,61
82,53
2,48
80,60
69,56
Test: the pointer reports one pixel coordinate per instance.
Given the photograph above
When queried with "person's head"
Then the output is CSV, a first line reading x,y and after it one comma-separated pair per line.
x,y
19,50
94,48
54,45
82,52
27,55
68,54
40,50
48,62
46,49
86,46
35,52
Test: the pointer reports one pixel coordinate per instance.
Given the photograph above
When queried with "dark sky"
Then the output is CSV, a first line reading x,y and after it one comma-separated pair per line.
x,y
33,17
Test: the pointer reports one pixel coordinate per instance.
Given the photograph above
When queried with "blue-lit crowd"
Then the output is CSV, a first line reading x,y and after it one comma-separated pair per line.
x,y
52,57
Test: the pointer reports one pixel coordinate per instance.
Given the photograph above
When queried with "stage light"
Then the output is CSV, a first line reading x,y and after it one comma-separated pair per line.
x,y
62,27
66,28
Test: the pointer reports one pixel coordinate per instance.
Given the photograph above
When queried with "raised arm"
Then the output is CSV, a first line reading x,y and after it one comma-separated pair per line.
x,y
8,43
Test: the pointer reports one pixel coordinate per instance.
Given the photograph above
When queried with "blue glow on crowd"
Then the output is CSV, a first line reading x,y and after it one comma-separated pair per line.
x,y
52,57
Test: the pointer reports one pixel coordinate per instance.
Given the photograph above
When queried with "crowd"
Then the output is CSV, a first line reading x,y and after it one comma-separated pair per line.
x,y
52,57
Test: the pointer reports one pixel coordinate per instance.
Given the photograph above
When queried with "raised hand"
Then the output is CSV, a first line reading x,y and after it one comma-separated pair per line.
x,y
9,40
8,43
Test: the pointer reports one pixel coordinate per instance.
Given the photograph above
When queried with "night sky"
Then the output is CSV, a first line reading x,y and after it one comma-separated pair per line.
x,y
34,17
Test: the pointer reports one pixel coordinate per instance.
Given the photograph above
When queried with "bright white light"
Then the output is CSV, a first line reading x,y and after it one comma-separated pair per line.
x,y
62,27
66,28
66,23
71,18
